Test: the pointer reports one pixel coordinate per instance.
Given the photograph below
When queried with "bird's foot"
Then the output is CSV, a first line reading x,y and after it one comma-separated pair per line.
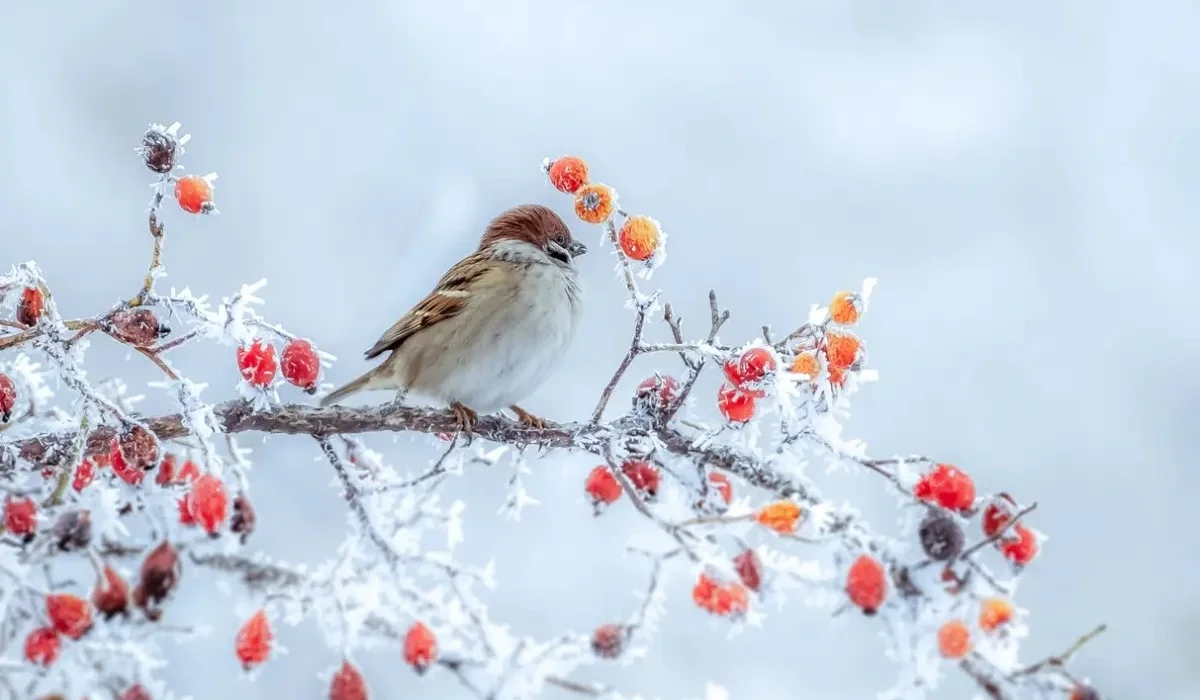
x,y
528,418
465,419
398,400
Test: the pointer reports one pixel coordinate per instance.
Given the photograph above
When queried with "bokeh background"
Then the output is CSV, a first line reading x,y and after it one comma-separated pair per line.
x,y
1021,177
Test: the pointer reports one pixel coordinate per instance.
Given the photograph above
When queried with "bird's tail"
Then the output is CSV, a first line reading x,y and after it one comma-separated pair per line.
x,y
353,387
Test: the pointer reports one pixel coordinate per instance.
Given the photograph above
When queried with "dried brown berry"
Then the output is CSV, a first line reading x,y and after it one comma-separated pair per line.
x,y
73,530
941,537
159,573
111,594
242,521
138,448
749,570
159,150
8,397
608,641
138,326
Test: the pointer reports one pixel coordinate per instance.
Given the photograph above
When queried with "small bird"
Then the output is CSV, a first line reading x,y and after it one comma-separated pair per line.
x,y
498,322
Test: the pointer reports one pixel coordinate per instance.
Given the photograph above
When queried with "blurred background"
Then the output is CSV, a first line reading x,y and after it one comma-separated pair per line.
x,y
1021,179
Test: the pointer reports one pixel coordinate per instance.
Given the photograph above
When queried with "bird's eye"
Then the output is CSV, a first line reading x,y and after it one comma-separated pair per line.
x,y
560,239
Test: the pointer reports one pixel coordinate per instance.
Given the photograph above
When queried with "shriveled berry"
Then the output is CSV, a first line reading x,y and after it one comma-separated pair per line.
x,y
954,639
159,150
138,326
567,173
69,614
208,503
941,537
348,684
749,569
31,306
243,519
138,447
735,405
111,594
42,646
420,647
73,531
20,517
300,364
602,487
159,574
948,486
257,363
8,397
608,641
254,640
866,584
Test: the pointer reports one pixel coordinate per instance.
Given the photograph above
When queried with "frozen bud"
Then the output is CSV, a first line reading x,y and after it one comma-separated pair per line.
x,y
242,522
159,573
73,530
138,448
159,150
138,326
111,594
941,537
608,641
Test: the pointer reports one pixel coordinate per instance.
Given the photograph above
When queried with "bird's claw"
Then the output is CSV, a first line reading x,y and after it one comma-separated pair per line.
x,y
529,419
464,419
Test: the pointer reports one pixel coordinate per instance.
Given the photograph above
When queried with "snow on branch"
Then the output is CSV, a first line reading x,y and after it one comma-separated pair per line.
x,y
733,505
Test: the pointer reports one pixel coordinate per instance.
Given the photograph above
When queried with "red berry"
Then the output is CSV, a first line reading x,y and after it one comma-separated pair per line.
x,y
136,692
300,364
866,584
194,194
166,471
42,646
189,472
20,517
608,641
70,614
750,368
722,485
602,486
420,647
8,397
347,684
748,568
184,504
568,174
84,473
656,394
720,598
736,406
257,363
644,476
126,472
253,643
1022,547
997,513
31,306
948,486
111,594
208,503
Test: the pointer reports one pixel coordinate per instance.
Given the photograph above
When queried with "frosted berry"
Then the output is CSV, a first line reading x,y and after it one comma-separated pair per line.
x,y
122,468
644,477
166,471
138,447
257,363
842,349
595,203
639,237
159,150
866,584
736,406
656,394
188,473
243,520
138,326
567,173
602,487
73,531
8,397
750,368
845,308
208,503
608,641
111,594
781,516
997,513
722,485
1020,547
941,537
947,486
84,474
954,639
994,613
70,615
194,194
300,365
348,684
806,363
20,517
749,569
42,646
254,640
31,306
184,504
720,598
420,647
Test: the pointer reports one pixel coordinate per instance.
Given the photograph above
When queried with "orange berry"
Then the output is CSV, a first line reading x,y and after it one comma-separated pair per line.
x,y
595,203
954,639
780,516
1022,548
808,364
993,613
841,349
639,237
736,406
420,647
845,308
720,598
31,306
602,487
194,194
866,584
254,639
948,486
567,173
837,376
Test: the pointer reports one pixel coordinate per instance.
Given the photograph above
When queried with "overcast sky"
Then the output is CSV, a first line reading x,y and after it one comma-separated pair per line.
x,y
1020,177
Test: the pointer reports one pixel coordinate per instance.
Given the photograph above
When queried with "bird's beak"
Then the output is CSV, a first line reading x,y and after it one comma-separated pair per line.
x,y
576,249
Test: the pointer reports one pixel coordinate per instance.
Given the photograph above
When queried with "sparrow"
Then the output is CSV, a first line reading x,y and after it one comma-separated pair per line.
x,y
497,324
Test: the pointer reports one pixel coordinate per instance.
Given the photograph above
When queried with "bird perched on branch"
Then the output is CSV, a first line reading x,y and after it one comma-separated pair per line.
x,y
496,325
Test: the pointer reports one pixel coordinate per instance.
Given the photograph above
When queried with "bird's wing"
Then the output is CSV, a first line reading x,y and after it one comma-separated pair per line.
x,y
447,300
